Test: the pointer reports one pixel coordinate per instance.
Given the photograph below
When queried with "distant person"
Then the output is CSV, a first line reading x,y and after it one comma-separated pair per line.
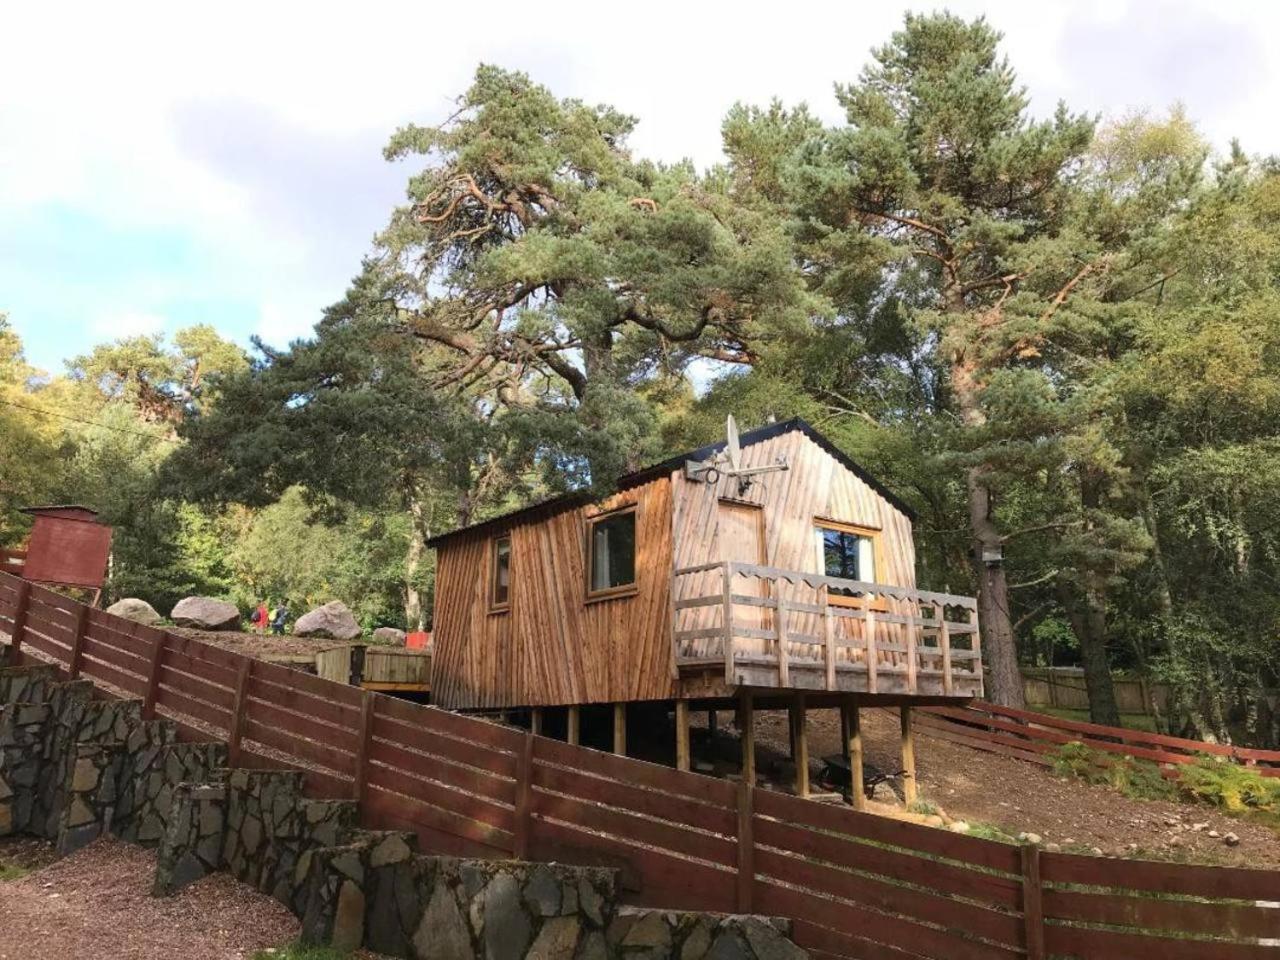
x,y
261,618
278,618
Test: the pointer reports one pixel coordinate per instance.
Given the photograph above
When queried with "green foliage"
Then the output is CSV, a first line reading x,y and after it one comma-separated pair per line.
x,y
301,951
1231,786
1139,779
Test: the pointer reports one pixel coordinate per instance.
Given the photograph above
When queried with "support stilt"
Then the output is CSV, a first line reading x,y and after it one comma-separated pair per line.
x,y
799,744
535,721
574,729
746,724
909,792
682,735
851,726
620,729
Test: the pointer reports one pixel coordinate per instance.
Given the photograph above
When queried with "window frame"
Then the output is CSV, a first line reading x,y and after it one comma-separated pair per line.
x,y
494,605
859,530
622,590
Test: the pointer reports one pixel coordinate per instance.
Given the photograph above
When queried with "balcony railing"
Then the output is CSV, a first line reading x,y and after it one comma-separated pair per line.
x,y
768,627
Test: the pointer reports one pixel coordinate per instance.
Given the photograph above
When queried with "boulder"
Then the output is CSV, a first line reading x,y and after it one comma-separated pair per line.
x,y
205,613
389,635
333,621
137,610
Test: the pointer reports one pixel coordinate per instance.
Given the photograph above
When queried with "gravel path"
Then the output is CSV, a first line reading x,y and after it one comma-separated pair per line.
x,y
97,903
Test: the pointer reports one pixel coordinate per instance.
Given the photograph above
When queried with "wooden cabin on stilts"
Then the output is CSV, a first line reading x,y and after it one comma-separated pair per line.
x,y
765,572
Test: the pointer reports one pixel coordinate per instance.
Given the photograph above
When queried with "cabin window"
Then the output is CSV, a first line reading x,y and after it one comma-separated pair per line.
x,y
611,542
845,551
500,576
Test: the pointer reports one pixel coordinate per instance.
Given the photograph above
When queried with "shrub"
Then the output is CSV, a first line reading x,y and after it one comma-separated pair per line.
x,y
1235,788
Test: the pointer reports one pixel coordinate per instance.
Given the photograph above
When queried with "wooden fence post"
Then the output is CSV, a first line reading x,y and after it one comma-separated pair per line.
x,y
524,798
746,847
236,732
1032,901
727,590
367,706
20,618
153,676
869,621
944,644
77,641
780,628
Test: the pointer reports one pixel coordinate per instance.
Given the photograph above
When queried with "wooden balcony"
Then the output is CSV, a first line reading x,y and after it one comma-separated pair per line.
x,y
768,627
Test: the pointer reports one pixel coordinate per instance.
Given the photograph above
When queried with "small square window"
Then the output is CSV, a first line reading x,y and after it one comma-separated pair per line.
x,y
500,582
847,552
612,545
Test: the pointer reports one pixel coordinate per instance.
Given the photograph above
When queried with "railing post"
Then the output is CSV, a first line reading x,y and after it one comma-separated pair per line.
x,y
869,623
153,676
728,623
77,641
746,847
976,643
236,732
944,644
524,797
913,645
780,628
829,641
20,618
1032,902
364,740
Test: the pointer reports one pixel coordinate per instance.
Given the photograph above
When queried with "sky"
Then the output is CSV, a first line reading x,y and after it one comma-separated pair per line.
x,y
169,164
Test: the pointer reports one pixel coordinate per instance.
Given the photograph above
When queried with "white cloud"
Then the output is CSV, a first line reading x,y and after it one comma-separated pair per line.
x,y
280,323
115,326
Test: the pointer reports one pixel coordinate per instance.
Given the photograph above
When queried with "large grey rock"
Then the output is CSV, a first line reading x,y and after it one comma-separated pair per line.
x,y
507,928
333,621
205,613
134,609
390,636
442,934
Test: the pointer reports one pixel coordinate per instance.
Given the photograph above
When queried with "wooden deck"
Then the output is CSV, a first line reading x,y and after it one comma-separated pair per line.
x,y
373,667
763,627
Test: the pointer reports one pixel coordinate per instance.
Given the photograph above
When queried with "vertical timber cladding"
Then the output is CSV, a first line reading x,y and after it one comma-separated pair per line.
x,y
816,485
551,646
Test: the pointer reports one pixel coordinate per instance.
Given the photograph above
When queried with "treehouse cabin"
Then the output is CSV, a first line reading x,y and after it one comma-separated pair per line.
x,y
770,567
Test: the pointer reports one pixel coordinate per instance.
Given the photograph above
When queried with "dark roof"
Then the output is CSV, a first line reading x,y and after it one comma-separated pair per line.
x,y
58,506
580,498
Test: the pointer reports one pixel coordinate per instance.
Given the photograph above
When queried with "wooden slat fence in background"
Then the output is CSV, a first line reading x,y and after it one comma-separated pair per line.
x,y
1037,737
854,885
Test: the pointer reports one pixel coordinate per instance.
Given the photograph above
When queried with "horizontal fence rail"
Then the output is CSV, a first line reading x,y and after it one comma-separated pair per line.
x,y
770,627
1038,737
854,885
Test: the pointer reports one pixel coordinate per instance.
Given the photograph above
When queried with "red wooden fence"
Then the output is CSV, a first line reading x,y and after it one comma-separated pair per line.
x,y
1038,737
854,885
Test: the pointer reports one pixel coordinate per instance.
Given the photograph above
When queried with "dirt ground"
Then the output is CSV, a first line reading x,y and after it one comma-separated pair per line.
x,y
1016,796
262,646
97,903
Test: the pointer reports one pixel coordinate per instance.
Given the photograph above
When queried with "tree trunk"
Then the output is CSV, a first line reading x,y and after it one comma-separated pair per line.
x,y
1089,621
1003,680
414,615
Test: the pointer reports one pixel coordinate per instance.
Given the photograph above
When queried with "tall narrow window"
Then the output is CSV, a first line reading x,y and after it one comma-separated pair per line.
x,y
845,551
500,582
611,542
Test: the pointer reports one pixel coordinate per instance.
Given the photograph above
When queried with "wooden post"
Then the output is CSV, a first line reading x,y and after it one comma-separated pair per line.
x,y
746,846
829,643
236,732
535,721
77,641
573,733
853,748
976,644
364,740
944,641
909,792
20,618
746,724
799,745
620,729
682,735
712,722
869,622
153,676
524,798
780,629
1032,902
728,626
912,615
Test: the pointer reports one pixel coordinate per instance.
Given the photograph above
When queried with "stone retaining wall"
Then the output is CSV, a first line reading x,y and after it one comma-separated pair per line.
x,y
73,767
